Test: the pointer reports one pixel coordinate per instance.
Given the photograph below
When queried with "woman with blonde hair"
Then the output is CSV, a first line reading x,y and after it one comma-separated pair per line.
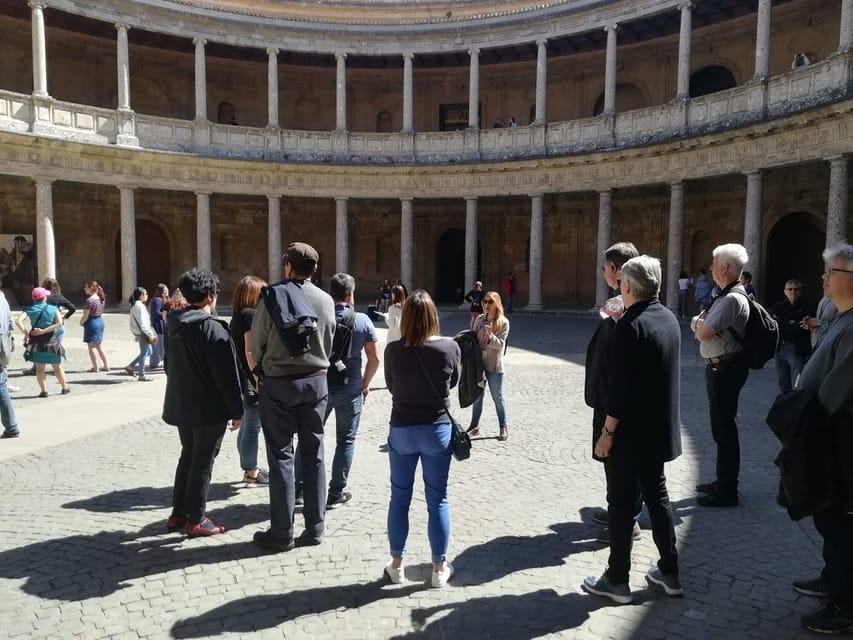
x,y
420,370
243,303
492,329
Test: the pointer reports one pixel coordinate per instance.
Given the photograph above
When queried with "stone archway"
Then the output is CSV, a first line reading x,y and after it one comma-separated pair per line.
x,y
794,248
153,256
450,285
711,79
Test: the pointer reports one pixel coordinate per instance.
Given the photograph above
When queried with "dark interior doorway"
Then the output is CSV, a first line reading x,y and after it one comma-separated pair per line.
x,y
710,80
153,265
794,249
450,285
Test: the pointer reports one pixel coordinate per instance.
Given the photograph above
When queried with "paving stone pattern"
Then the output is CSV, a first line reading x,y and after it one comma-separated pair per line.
x,y
84,552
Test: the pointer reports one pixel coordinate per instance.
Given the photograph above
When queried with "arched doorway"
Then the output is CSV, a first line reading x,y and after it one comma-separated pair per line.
x,y
450,285
153,264
794,249
710,80
628,98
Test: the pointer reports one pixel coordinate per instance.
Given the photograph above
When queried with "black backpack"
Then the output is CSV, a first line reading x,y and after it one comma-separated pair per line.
x,y
760,336
341,349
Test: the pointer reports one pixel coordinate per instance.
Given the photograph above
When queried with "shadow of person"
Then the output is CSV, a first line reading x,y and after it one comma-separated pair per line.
x,y
264,612
144,498
499,557
510,617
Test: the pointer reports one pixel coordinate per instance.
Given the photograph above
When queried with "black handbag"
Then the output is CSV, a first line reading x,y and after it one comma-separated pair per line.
x,y
460,441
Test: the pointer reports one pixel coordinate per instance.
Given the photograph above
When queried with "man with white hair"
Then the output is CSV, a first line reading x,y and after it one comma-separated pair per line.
x,y
829,373
641,429
726,369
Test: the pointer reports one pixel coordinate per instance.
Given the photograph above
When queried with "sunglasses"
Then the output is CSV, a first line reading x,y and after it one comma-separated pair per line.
x,y
792,288
490,301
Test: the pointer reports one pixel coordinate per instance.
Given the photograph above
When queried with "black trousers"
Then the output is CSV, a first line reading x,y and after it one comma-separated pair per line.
x,y
199,448
836,529
598,418
628,475
291,407
723,382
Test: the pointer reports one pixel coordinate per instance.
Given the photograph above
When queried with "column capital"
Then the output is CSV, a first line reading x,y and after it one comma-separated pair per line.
x,y
470,198
37,4
127,187
408,55
605,192
541,42
199,41
473,52
273,197
837,160
677,184
43,182
754,174
341,198
685,5
201,194
611,27
122,27
340,55
272,51
534,196
407,199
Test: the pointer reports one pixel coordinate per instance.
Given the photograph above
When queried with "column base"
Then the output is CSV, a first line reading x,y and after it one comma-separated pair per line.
x,y
123,140
533,307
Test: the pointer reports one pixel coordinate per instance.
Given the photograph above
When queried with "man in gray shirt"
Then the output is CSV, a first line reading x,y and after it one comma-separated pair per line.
x,y
726,369
829,372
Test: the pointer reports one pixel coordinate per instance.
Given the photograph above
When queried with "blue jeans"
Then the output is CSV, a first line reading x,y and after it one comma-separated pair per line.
x,y
7,412
788,366
496,387
144,351
158,352
429,443
247,437
347,409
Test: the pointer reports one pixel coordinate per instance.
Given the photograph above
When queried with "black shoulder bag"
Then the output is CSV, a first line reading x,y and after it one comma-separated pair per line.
x,y
460,441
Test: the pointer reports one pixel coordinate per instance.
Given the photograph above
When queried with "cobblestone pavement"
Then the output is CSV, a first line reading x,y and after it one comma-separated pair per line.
x,y
84,553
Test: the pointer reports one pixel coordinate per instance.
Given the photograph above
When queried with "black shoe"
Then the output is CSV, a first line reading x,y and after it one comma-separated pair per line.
x,y
815,587
335,501
299,500
707,487
604,534
65,391
718,499
308,539
10,434
600,516
830,619
267,540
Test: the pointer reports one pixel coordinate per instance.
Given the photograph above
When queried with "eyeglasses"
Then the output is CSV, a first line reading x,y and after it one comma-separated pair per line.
x,y
792,288
832,270
488,302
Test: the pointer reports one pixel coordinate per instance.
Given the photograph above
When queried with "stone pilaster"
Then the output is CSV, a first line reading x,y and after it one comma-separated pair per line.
x,y
762,40
274,238
537,224
45,237
470,241
610,71
204,256
39,50
128,242
407,242
845,30
836,210
541,81
272,87
605,216
408,93
675,244
200,80
474,90
752,226
341,91
684,46
341,236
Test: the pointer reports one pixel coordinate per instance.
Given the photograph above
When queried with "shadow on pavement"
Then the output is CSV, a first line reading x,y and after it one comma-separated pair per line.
x,y
145,498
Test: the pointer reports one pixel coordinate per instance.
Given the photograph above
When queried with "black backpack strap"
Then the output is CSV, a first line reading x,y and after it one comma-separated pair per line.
x,y
740,339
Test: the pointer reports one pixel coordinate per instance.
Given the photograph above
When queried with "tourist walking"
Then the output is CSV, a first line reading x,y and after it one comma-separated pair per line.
x,y
7,412
395,310
158,309
93,324
44,320
492,329
140,327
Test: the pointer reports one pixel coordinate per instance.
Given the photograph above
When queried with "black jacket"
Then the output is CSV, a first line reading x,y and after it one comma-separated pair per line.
x,y
203,381
643,378
472,380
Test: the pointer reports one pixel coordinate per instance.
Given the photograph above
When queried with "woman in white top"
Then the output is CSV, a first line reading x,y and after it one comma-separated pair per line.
x,y
492,328
684,283
395,310
140,327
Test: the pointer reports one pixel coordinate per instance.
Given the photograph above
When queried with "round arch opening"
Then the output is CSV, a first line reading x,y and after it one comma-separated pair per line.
x,y
711,79
794,248
450,285
153,257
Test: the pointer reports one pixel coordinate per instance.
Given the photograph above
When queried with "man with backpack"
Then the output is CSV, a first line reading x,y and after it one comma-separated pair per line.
x,y
726,367
348,387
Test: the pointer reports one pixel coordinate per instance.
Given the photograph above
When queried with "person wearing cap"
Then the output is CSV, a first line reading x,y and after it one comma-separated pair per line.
x,y
293,393
44,320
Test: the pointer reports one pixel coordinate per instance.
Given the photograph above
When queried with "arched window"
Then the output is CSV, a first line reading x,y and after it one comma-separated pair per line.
x,y
628,98
710,80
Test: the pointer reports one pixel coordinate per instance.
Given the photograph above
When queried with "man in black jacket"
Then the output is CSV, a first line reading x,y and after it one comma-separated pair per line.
x,y
641,428
203,393
794,339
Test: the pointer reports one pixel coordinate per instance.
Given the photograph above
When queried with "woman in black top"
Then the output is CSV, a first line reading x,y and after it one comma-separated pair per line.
x,y
55,299
420,370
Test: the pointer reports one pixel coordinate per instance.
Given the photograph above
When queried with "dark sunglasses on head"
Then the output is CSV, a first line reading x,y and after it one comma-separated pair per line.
x,y
488,301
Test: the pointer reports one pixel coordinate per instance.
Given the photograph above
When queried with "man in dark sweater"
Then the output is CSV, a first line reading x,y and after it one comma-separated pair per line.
x,y
794,339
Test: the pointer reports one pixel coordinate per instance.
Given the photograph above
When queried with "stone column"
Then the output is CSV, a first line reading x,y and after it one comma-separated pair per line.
x,y
39,50
684,45
200,80
272,87
845,31
474,90
762,41
610,71
341,91
45,238
274,238
836,211
204,257
752,225
408,93
123,60
541,81
128,242
341,235
534,298
470,241
407,242
675,244
605,216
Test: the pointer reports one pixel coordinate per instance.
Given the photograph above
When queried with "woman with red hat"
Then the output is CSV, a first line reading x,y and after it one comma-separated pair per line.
x,y
44,320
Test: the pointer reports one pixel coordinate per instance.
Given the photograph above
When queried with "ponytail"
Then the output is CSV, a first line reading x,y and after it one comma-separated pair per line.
x,y
99,290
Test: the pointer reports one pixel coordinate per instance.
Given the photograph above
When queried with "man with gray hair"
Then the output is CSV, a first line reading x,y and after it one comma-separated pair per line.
x,y
829,374
641,429
726,369
794,340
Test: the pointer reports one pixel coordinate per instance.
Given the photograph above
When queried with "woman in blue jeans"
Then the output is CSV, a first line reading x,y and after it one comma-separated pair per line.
x,y
492,328
420,370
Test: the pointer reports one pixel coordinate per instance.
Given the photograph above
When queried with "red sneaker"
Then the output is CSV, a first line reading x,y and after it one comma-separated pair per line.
x,y
175,523
203,528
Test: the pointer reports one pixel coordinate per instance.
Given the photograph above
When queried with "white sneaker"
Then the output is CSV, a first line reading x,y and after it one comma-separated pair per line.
x,y
440,578
13,388
394,576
